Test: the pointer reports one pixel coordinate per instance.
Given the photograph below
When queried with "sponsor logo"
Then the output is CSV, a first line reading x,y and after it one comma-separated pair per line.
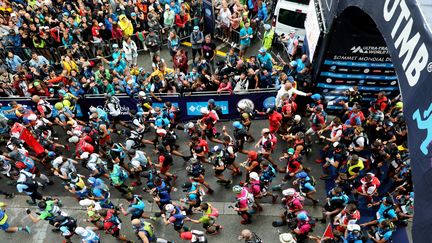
x,y
343,69
366,70
373,50
411,47
329,80
376,71
424,122
249,104
339,81
351,82
193,108
269,102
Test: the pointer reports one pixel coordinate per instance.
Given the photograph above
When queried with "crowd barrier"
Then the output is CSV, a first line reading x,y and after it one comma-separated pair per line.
x,y
189,105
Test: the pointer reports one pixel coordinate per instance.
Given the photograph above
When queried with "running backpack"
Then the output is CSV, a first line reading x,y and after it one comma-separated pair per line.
x,y
249,197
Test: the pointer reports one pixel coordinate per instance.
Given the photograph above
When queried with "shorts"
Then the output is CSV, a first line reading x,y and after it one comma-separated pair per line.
x,y
209,133
310,131
199,179
209,224
164,170
178,227
219,172
116,232
244,47
5,226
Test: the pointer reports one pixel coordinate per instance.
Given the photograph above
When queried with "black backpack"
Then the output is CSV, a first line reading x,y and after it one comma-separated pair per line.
x,y
30,183
196,170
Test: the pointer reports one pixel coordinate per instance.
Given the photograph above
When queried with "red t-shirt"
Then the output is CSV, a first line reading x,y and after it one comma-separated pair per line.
x,y
274,120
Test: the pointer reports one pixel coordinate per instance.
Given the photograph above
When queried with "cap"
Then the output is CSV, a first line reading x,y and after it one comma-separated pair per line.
x,y
267,26
289,192
100,24
286,238
316,96
237,125
262,49
115,46
133,14
291,151
353,227
237,189
204,110
297,118
196,27
169,208
335,144
302,216
254,176
80,231
291,79
211,101
301,175
293,63
265,130
73,139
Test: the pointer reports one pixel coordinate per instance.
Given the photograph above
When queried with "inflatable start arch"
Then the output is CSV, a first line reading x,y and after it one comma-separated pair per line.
x,y
404,27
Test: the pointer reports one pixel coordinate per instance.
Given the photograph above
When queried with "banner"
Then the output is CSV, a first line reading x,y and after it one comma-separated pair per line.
x,y
189,105
209,17
356,56
313,29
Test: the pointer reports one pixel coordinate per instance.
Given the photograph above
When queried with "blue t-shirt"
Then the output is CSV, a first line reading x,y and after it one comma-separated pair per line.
x,y
386,234
391,212
265,61
244,32
300,65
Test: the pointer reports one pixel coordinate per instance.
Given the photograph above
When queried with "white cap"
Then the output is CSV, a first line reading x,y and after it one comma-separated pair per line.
x,y
92,109
286,238
254,176
32,117
335,144
84,155
204,110
297,118
73,139
141,94
80,231
289,192
353,227
241,105
265,130
169,208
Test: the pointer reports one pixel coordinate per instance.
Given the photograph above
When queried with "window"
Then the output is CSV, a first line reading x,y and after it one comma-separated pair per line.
x,y
291,18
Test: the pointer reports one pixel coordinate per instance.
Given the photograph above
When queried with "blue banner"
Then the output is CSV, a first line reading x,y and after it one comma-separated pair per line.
x,y
189,105
193,108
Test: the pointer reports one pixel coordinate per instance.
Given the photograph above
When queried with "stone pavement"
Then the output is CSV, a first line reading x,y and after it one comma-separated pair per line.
x,y
41,232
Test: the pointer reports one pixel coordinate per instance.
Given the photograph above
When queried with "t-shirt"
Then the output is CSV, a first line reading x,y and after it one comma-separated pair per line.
x,y
209,50
244,32
275,120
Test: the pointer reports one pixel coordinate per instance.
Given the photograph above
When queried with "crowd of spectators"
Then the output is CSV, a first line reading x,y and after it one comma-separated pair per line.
x,y
53,48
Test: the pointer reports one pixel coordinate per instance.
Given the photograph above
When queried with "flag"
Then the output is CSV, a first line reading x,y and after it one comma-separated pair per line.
x,y
328,233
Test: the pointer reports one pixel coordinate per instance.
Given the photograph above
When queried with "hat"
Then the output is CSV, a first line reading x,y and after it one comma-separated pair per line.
x,y
335,144
353,227
100,24
66,14
262,49
291,151
265,130
237,125
399,105
254,176
211,101
151,30
301,175
115,46
293,63
196,27
291,79
73,139
237,189
286,238
133,14
267,27
289,192
292,31
13,15
80,231
204,110
316,96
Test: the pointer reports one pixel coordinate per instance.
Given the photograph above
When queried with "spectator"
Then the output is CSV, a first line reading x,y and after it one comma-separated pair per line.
x,y
246,34
197,39
14,62
131,51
